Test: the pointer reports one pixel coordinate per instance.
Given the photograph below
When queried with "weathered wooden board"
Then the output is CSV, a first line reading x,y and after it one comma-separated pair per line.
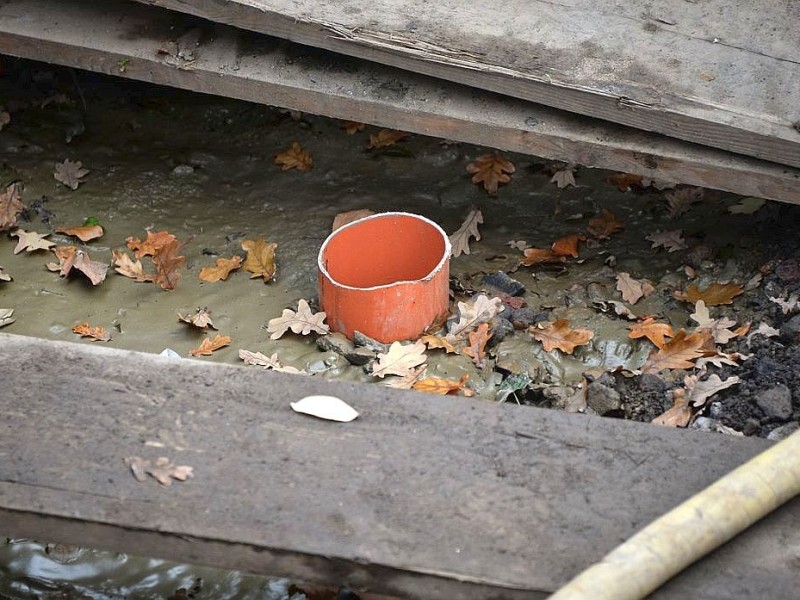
x,y
421,496
122,39
722,73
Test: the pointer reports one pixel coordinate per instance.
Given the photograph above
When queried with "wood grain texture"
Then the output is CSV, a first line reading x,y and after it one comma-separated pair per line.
x,y
695,71
122,39
421,496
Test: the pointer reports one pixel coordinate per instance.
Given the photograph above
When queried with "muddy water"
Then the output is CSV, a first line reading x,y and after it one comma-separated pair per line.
x,y
201,167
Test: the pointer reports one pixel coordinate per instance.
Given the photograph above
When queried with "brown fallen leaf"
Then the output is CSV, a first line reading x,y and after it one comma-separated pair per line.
x,y
679,201
671,241
348,217
679,414
605,225
352,127
443,387
400,360
154,242
385,138
539,256
70,173
200,318
31,241
407,381
167,262
700,391
714,294
124,265
98,334
633,290
207,346
10,205
268,362
476,349
70,257
163,471
221,269
434,342
260,260
564,177
567,245
558,335
655,332
625,181
294,158
66,259
491,170
84,233
720,328
679,353
459,241
302,321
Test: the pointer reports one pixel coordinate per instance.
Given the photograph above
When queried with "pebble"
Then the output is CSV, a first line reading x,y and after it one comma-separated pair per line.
x,y
183,170
501,281
335,342
522,318
367,342
790,331
776,402
782,432
501,329
602,399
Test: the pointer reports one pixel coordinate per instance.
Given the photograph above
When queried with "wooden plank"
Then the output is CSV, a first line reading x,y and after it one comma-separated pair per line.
x,y
122,39
421,496
688,70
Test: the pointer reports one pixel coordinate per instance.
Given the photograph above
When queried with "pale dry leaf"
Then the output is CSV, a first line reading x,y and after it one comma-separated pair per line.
x,y
200,318
6,316
10,205
518,244
302,321
701,391
720,328
632,290
70,173
764,329
671,241
344,218
747,206
564,177
719,360
788,305
268,362
753,282
407,381
701,315
459,241
329,408
471,314
124,265
5,276
162,470
400,360
31,241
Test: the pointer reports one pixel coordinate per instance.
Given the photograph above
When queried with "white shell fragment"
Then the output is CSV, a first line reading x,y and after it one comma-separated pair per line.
x,y
325,407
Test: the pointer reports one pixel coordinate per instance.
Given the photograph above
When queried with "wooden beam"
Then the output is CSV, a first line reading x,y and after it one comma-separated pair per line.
x,y
421,496
122,39
677,68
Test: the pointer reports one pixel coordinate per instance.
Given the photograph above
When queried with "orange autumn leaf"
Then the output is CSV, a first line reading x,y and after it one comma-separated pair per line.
x,y
567,245
537,256
221,269
352,127
386,137
679,414
476,349
260,259
294,158
679,353
434,342
84,233
558,335
124,265
69,257
98,334
713,295
151,245
624,181
655,332
207,346
605,225
491,170
443,387
167,262
66,259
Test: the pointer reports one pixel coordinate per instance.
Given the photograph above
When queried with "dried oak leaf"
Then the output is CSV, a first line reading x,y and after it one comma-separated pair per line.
x,y
655,332
221,269
268,362
154,242
459,241
406,382
294,158
633,290
625,181
70,173
200,318
471,314
679,353
491,170
124,265
713,295
66,259
163,471
564,177
260,260
352,127
302,321
31,241
10,205
567,245
788,305
385,138
434,342
167,262
558,335
679,201
70,257
84,233
700,391
348,217
98,334
679,414
400,360
207,346
538,256
476,349
671,241
605,225
443,387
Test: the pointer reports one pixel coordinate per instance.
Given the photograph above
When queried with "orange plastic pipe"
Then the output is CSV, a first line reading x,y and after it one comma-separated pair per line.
x,y
386,275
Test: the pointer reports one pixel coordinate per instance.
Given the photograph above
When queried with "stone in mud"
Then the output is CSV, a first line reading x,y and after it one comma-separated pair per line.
x,y
501,281
776,403
522,318
335,342
517,356
183,170
364,341
603,399
360,356
790,331
782,432
501,329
